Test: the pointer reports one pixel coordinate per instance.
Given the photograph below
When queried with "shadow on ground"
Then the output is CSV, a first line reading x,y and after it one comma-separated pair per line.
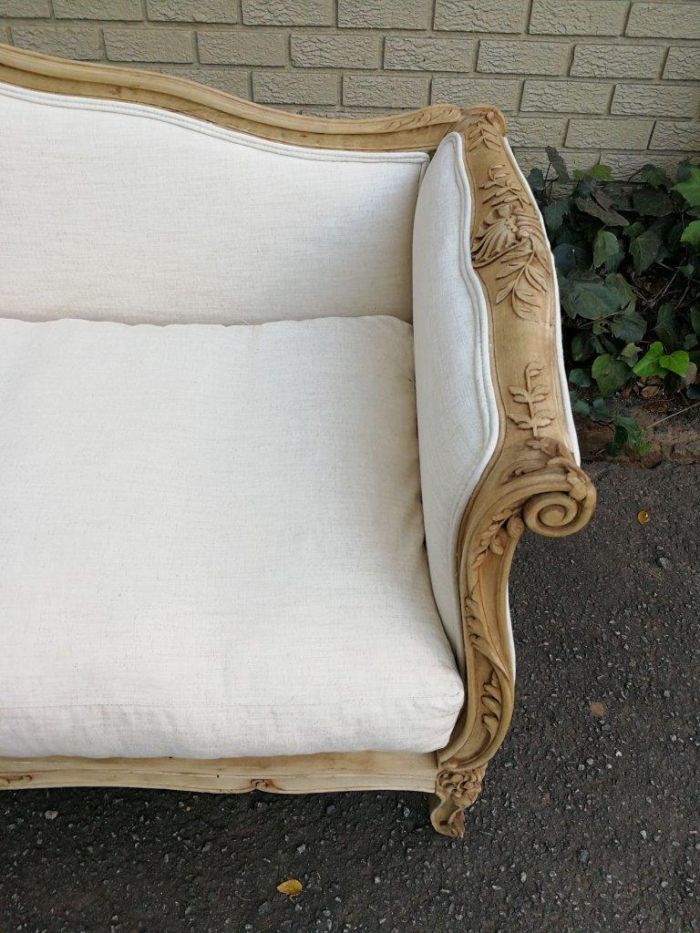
x,y
587,821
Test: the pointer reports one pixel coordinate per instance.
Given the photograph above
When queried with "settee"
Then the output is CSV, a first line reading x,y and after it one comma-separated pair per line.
x,y
278,397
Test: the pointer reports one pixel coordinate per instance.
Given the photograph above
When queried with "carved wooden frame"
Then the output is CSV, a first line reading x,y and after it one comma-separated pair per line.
x,y
531,481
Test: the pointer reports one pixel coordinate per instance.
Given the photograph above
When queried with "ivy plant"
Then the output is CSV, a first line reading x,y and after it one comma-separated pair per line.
x,y
627,255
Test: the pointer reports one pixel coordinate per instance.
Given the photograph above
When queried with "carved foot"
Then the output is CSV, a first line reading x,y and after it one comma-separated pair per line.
x,y
454,792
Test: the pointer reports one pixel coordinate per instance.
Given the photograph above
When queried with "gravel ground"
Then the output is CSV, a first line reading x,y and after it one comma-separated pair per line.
x,y
588,819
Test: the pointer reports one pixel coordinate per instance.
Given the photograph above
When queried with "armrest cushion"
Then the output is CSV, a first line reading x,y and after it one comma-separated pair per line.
x,y
483,329
457,413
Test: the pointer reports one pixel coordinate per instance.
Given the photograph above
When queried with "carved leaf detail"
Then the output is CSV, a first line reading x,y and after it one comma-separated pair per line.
x,y
491,700
480,636
493,539
532,395
534,423
484,132
511,229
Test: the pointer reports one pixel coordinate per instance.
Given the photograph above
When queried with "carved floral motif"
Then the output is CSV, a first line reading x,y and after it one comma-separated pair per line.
x,y
512,233
461,786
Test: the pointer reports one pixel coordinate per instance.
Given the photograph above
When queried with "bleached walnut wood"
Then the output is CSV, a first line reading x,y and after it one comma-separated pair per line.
x,y
419,129
532,480
300,774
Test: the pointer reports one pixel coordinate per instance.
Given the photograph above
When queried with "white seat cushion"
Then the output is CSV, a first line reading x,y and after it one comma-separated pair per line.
x,y
211,542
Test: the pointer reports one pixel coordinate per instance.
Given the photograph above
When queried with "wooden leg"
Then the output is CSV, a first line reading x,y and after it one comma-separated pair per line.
x,y
454,791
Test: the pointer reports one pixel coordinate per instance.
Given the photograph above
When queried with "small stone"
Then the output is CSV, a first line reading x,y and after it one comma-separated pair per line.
x,y
523,876
584,856
665,563
667,694
301,849
264,908
50,814
377,879
330,809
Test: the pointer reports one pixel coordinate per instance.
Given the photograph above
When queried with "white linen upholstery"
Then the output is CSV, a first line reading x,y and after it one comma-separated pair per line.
x,y
457,415
122,212
211,542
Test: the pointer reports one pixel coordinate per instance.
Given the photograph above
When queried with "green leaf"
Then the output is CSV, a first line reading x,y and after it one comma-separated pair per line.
x,y
649,363
652,203
634,229
579,405
690,188
691,234
645,249
627,434
606,250
676,362
630,354
619,284
629,326
579,377
601,172
593,299
610,374
581,348
654,176
695,317
564,258
599,408
536,180
558,165
610,217
667,323
555,213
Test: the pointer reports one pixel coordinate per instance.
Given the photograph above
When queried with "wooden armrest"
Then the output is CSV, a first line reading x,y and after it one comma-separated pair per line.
x,y
533,479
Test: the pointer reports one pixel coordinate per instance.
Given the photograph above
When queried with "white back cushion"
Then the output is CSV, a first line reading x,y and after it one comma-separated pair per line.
x,y
117,211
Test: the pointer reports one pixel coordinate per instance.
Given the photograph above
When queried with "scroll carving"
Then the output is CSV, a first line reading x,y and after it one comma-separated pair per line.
x,y
533,480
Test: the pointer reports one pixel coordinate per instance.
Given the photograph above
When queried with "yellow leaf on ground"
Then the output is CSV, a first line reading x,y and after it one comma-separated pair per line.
x,y
291,887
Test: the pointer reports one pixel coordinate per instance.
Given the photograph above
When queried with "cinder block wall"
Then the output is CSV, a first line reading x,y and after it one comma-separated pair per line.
x,y
610,79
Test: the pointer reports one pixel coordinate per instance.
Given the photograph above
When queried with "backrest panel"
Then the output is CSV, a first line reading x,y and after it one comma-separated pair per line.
x,y
118,211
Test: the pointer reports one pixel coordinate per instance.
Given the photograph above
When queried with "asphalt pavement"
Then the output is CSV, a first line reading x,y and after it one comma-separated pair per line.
x,y
588,820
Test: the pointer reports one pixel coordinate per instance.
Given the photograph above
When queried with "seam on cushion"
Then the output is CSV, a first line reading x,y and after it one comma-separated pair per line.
x,y
484,383
238,324
458,695
190,123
